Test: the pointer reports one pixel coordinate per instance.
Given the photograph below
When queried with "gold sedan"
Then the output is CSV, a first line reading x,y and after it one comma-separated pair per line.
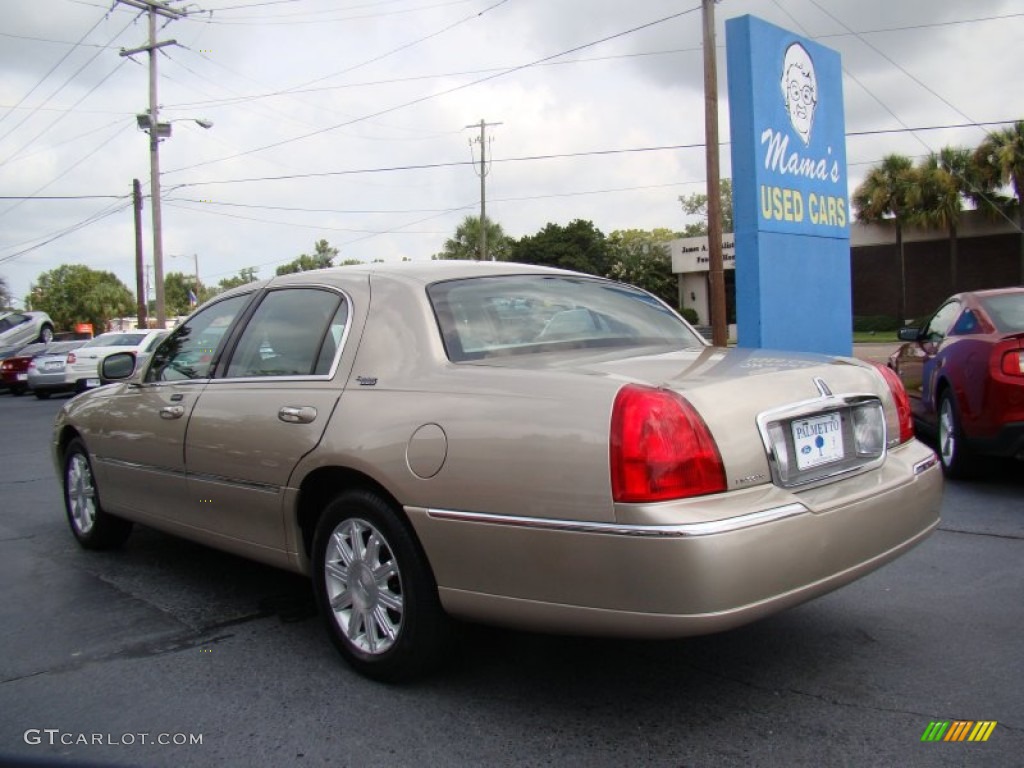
x,y
499,443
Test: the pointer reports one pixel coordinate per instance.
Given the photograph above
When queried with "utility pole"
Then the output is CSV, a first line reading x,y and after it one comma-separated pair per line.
x,y
482,141
156,130
140,280
716,273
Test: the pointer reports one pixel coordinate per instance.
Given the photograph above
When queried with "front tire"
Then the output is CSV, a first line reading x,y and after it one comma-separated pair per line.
x,y
46,334
953,451
94,528
375,589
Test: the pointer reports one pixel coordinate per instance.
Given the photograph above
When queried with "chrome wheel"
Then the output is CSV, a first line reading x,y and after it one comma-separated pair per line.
x,y
947,433
90,523
364,586
81,494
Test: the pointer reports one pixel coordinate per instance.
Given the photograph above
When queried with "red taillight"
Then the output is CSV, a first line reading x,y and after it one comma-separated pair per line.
x,y
661,448
899,396
71,359
1013,363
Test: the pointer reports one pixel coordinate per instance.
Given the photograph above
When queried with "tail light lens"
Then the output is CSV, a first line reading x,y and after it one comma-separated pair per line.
x,y
899,422
71,359
1013,363
661,448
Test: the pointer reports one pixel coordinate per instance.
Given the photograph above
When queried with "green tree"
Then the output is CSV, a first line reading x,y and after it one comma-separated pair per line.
x,y
697,205
466,242
887,194
942,186
176,288
323,256
999,161
244,277
579,246
73,293
642,258
5,294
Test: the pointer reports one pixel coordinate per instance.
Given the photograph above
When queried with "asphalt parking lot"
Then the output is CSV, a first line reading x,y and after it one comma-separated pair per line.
x,y
170,654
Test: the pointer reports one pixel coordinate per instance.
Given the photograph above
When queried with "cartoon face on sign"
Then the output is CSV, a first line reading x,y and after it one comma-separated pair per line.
x,y
800,89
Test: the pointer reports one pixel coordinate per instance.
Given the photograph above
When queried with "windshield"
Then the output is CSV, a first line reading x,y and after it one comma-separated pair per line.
x,y
523,314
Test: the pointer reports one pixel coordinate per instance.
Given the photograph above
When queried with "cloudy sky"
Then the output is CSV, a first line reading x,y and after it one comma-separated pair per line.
x,y
345,120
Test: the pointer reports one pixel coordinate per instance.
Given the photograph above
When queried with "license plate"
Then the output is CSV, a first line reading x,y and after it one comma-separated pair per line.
x,y
92,382
53,365
22,377
817,440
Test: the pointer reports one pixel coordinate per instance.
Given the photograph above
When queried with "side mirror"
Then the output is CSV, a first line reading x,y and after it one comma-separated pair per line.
x,y
909,333
117,367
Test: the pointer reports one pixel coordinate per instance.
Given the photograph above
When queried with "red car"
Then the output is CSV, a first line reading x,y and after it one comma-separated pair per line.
x,y
964,373
14,370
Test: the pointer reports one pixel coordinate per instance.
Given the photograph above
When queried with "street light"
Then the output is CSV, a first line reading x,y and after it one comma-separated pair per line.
x,y
150,123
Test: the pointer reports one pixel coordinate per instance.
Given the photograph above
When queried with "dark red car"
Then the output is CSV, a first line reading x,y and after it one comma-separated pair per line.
x,y
964,373
14,369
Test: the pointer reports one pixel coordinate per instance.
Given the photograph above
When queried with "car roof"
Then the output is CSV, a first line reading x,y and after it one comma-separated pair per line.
x,y
992,292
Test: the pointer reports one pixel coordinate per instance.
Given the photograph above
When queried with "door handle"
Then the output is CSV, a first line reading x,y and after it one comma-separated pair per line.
x,y
172,412
297,414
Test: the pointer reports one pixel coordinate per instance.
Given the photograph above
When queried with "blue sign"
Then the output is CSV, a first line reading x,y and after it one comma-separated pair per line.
x,y
790,206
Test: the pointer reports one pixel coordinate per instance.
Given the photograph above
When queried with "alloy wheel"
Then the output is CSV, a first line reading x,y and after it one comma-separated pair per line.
x,y
81,492
364,586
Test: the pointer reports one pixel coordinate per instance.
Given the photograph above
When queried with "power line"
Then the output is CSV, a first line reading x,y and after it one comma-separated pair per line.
x,y
99,216
445,92
50,72
56,121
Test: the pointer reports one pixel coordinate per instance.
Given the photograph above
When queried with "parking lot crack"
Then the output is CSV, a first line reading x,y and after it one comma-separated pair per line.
x,y
964,531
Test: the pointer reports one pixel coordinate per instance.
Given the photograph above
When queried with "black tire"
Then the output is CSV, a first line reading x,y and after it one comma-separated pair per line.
x,y
17,390
45,334
42,395
386,619
957,463
94,528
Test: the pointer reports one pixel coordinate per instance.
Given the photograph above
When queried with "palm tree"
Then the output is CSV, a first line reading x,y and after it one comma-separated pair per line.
x,y
943,182
1000,162
466,242
887,194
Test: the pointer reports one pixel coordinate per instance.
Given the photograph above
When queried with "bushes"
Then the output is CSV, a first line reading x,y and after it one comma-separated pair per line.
x,y
874,323
690,315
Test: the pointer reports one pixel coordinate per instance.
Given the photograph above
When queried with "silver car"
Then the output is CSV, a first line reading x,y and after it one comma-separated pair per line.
x,y
46,374
500,443
20,328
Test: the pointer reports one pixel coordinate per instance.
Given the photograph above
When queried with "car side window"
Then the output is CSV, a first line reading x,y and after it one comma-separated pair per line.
x,y
189,351
293,332
938,327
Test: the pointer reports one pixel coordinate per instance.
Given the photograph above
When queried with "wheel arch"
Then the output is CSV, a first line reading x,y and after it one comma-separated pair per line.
x,y
323,484
67,434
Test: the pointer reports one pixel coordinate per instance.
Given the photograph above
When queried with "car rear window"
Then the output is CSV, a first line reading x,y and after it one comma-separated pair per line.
x,y
1006,311
524,314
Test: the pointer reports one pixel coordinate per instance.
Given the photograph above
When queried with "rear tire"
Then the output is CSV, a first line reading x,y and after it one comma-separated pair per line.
x,y
94,528
953,451
42,395
375,589
46,334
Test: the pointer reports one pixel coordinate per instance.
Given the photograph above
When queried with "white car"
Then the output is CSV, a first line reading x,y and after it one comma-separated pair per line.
x,y
82,369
